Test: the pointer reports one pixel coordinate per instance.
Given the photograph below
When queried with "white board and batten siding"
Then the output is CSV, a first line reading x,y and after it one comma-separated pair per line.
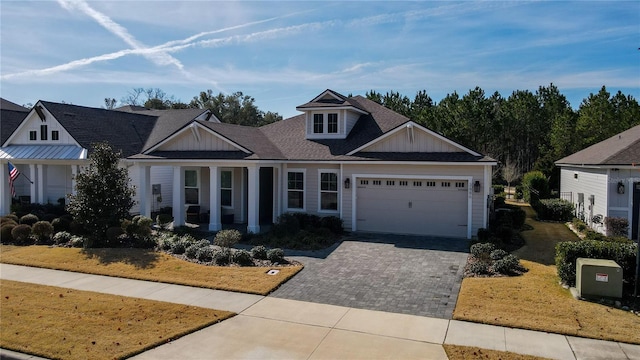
x,y
419,142
590,182
187,141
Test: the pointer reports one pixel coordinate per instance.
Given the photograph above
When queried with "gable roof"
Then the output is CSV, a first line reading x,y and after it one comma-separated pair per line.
x,y
9,122
620,149
331,99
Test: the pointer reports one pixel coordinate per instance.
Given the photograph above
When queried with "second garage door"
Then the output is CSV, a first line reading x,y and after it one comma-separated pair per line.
x,y
407,206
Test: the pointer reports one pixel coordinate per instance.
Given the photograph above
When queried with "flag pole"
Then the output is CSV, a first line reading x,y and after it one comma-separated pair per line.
x,y
25,176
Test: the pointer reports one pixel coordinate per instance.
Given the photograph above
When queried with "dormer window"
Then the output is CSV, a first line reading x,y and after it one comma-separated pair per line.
x,y
332,123
33,135
43,132
318,123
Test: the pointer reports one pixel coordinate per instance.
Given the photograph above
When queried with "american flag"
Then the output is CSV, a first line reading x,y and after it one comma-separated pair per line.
x,y
13,174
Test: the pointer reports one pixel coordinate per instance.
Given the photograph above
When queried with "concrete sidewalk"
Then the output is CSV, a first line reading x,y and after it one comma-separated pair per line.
x,y
268,327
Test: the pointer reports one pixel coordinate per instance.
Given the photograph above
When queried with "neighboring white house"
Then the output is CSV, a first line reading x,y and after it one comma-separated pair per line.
x,y
603,180
348,157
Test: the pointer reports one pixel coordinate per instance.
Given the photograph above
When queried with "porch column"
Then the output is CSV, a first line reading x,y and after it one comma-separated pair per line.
x,y
178,196
253,199
74,174
214,199
5,196
32,187
42,183
145,190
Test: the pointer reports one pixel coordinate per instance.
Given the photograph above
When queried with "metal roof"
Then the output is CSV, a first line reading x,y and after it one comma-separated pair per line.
x,y
48,152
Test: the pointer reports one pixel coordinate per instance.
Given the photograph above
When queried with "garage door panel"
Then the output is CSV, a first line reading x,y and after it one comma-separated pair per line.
x,y
395,207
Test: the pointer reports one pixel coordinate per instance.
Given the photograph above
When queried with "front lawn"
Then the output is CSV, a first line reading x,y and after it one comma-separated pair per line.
x,y
142,264
536,301
62,323
455,352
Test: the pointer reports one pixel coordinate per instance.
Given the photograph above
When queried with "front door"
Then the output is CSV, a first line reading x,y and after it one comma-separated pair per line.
x,y
636,211
266,195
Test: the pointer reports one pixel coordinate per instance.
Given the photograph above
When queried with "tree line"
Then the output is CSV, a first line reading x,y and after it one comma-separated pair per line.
x,y
530,130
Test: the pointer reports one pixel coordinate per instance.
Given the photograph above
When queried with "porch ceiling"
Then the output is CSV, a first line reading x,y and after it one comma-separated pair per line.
x,y
48,152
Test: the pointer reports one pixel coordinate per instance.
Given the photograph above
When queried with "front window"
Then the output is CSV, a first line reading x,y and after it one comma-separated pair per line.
x,y
55,135
332,124
226,184
328,191
43,132
318,123
33,135
295,190
191,189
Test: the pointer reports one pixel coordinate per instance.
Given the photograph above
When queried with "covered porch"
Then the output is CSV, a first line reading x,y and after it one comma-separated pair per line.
x,y
213,192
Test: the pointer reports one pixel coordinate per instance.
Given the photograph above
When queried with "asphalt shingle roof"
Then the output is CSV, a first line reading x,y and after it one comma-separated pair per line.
x,y
9,122
8,105
620,149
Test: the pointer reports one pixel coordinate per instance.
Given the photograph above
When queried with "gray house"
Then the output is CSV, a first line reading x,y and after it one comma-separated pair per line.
x,y
604,180
342,156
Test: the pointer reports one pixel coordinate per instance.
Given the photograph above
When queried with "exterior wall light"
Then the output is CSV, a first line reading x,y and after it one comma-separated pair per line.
x,y
620,187
347,183
476,186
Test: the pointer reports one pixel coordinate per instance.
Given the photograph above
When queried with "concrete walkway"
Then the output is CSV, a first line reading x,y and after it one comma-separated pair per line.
x,y
269,327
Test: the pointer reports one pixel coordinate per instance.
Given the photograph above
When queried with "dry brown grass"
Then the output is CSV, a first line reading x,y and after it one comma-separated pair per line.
x,y
71,324
149,265
455,352
536,301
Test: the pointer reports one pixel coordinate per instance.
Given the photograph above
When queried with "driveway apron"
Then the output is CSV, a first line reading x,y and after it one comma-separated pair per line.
x,y
402,274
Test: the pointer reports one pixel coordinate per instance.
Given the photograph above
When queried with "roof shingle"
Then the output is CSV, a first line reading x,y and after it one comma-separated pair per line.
x,y
620,149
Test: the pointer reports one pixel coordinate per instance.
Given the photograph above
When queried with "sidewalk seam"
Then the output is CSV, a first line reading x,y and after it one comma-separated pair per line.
x,y
328,332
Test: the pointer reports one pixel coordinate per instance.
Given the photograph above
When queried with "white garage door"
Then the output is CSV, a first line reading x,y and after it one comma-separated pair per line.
x,y
406,206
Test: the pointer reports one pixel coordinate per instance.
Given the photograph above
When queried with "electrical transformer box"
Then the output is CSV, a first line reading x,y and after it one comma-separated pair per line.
x,y
598,278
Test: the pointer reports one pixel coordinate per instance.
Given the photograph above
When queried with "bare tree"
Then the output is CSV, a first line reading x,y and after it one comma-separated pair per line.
x,y
510,173
110,103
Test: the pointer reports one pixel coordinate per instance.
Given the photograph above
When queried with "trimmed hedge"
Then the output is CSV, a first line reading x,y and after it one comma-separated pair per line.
x,y
535,186
567,253
554,209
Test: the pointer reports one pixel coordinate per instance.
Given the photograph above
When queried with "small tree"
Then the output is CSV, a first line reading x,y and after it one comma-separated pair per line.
x,y
510,173
535,187
103,195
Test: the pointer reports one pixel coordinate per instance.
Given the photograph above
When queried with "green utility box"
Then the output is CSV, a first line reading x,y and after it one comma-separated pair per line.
x,y
598,278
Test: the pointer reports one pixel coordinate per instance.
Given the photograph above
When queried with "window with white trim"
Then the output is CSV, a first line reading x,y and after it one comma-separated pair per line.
x,y
191,187
318,123
43,132
226,188
33,135
332,123
328,191
295,189
55,135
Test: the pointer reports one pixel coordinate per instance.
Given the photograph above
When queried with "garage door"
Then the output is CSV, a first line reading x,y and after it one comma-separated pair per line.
x,y
406,206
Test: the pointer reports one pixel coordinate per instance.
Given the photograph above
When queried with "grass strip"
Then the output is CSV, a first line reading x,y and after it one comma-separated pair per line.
x,y
61,323
141,264
455,352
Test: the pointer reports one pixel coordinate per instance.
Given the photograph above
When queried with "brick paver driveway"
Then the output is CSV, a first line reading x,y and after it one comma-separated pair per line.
x,y
401,274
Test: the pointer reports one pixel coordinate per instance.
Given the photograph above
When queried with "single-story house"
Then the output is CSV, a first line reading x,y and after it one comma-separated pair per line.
x,y
343,156
603,180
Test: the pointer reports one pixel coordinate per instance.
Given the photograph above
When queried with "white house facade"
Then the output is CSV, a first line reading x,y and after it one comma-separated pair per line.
x,y
347,157
603,180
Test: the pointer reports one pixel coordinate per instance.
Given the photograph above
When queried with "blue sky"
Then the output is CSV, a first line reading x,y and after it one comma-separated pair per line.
x,y
285,53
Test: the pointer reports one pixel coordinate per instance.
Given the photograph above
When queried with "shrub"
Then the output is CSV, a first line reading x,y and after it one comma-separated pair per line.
x,y
519,194
165,240
77,241
20,234
192,250
482,250
205,254
29,219
259,252
48,217
61,224
7,220
62,237
221,257
535,186
510,264
5,233
554,209
43,231
287,225
579,224
567,253
518,217
499,201
505,233
242,258
12,217
497,189
179,246
227,238
333,223
498,254
478,268
275,255
616,226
